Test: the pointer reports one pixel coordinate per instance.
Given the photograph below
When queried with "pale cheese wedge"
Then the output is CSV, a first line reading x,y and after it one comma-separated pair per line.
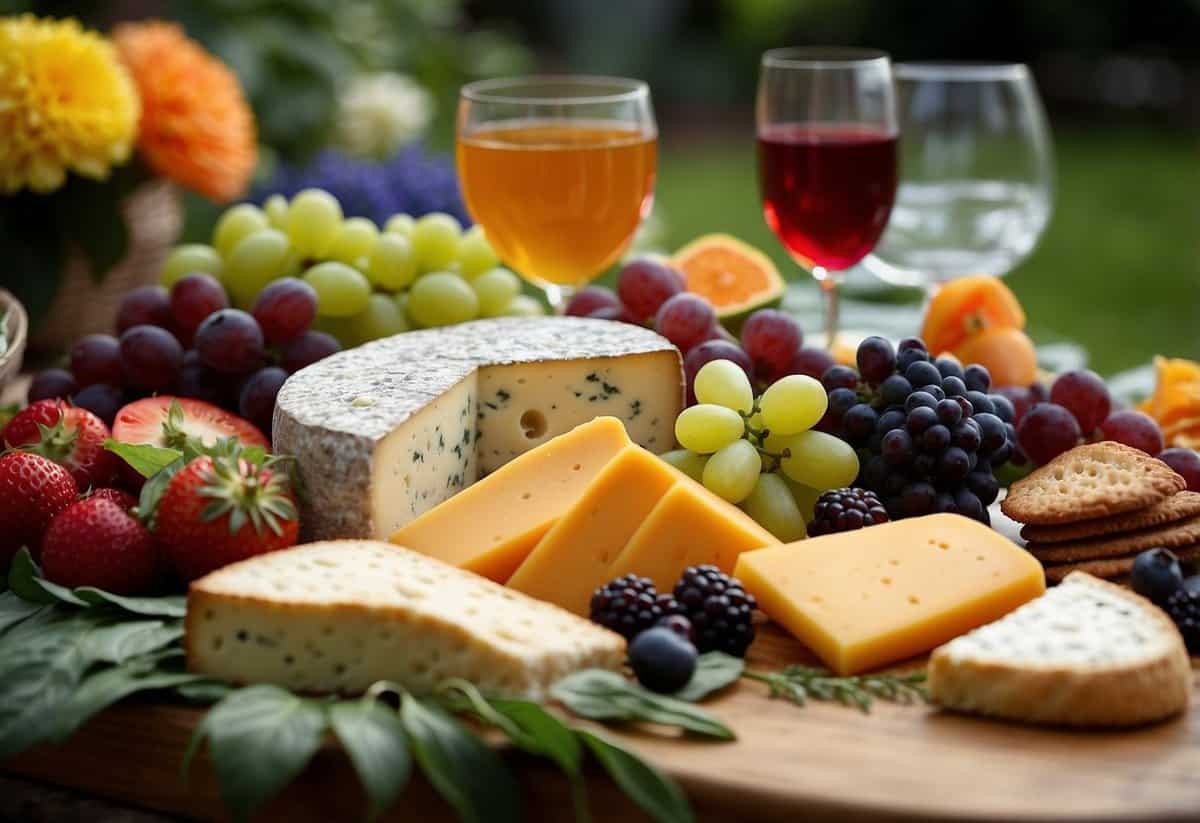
x,y
337,616
1086,653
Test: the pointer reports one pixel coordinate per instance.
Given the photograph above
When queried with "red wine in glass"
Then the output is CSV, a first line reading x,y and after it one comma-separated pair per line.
x,y
827,189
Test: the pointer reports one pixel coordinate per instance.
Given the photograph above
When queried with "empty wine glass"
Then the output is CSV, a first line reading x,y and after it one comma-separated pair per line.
x,y
976,174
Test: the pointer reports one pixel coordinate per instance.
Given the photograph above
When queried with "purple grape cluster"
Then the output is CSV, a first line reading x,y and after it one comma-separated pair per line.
x,y
928,433
413,182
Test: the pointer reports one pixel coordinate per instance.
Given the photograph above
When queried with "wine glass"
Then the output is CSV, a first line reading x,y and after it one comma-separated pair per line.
x,y
559,171
826,122
977,174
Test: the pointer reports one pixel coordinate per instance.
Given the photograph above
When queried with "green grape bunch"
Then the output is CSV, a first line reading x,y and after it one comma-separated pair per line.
x,y
762,452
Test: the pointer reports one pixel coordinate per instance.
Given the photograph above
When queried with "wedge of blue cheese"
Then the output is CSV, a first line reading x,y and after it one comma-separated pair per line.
x,y
337,616
385,432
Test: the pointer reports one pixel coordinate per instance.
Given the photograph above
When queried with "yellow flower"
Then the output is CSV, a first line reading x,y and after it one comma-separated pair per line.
x,y
66,104
196,128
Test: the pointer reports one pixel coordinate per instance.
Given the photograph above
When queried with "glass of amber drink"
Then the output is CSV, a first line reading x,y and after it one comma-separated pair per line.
x,y
559,171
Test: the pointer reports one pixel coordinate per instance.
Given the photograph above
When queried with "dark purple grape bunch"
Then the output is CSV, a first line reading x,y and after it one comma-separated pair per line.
x,y
928,433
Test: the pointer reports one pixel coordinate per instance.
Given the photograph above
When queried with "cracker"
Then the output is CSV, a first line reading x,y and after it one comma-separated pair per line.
x,y
1175,508
1088,482
1170,536
1112,568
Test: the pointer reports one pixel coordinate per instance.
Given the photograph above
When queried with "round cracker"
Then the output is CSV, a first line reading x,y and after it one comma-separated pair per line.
x,y
1177,507
1172,535
1112,568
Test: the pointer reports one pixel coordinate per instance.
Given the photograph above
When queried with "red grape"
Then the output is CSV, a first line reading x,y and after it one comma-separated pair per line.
x,y
150,356
257,400
1047,431
199,381
230,341
308,348
102,400
52,383
876,360
771,338
1039,393
96,358
1084,395
616,313
811,361
285,309
1187,463
145,305
713,350
194,298
644,285
1020,397
717,332
685,319
1133,428
589,299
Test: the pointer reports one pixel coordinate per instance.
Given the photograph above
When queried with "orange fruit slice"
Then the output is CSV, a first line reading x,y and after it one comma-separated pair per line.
x,y
736,278
967,306
1007,353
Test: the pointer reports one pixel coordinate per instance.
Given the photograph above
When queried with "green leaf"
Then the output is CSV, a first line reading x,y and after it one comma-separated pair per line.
x,y
373,738
714,671
22,579
152,491
255,455
468,774
171,605
148,460
656,794
542,733
61,594
122,641
600,694
259,739
205,692
14,609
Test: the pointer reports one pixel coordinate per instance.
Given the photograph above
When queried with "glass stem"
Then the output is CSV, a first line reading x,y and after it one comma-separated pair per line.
x,y
558,297
829,289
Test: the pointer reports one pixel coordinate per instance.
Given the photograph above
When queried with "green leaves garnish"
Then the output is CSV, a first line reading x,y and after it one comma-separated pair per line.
x,y
658,796
148,460
374,740
599,694
25,581
798,683
714,671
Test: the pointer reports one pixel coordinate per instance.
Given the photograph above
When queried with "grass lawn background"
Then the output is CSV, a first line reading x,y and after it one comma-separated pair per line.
x,y
1118,269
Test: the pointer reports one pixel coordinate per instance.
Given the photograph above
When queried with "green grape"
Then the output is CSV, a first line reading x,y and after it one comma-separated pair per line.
x,y
342,291
688,462
314,220
525,306
475,254
733,470
793,404
356,238
257,260
723,382
236,223
401,301
391,265
401,224
820,460
188,258
442,299
381,318
773,507
806,497
276,209
707,428
496,290
435,241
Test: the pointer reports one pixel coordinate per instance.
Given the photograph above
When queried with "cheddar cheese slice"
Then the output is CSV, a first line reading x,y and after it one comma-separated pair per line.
x,y
490,527
862,599
576,555
690,526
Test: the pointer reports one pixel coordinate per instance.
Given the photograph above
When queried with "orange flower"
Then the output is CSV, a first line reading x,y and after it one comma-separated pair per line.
x,y
196,126
1175,403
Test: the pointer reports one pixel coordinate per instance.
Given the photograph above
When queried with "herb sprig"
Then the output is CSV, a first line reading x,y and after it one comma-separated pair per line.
x,y
799,683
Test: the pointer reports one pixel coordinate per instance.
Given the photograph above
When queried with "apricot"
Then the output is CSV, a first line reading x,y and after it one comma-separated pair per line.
x,y
966,307
1007,353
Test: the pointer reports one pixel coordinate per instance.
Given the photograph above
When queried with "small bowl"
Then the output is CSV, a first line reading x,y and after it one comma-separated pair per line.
x,y
16,332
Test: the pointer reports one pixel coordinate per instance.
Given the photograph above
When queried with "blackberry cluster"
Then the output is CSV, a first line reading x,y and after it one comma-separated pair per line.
x,y
843,510
1184,608
928,433
629,605
720,610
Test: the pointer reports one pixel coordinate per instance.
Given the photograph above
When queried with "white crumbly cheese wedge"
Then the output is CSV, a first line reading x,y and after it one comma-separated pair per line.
x,y
385,432
337,616
1086,653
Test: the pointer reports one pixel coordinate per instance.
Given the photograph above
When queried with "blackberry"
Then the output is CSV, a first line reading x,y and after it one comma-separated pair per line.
x,y
1184,608
629,605
720,610
843,510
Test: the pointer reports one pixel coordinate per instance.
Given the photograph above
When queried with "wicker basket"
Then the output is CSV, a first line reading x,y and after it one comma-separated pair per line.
x,y
82,305
10,361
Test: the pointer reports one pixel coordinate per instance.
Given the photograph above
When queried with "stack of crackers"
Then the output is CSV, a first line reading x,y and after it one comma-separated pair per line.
x,y
1096,507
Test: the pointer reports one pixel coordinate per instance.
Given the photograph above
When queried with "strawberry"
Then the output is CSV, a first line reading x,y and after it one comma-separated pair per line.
x,y
122,498
168,421
214,512
69,435
95,542
32,490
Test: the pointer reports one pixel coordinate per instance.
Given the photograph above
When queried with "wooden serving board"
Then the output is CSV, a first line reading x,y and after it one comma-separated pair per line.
x,y
817,762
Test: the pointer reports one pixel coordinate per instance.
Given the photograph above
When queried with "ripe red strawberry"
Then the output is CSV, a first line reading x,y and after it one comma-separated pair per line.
x,y
154,420
32,491
122,498
69,435
95,542
217,511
